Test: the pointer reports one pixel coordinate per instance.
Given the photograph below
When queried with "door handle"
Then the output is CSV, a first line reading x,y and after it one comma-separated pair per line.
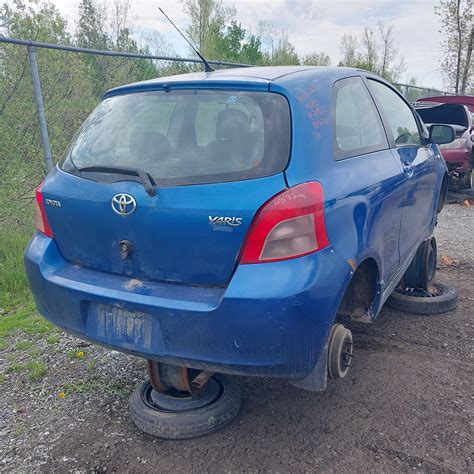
x,y
407,168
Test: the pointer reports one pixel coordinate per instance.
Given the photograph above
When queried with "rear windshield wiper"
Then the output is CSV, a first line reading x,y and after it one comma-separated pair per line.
x,y
145,177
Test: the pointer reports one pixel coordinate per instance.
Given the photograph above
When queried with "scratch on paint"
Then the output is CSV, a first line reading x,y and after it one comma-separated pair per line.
x,y
133,283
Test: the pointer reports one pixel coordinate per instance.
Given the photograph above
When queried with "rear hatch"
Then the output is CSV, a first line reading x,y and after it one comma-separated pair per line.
x,y
452,114
164,185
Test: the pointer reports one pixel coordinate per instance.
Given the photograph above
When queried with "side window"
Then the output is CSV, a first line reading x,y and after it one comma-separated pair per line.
x,y
398,114
357,125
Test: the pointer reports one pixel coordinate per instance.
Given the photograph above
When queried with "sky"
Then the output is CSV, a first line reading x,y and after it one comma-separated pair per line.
x,y
316,25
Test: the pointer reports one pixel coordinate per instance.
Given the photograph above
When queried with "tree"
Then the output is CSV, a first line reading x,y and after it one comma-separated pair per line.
x,y
348,48
234,45
277,48
66,87
208,19
103,29
91,26
120,19
317,59
157,45
369,55
388,51
457,29
373,52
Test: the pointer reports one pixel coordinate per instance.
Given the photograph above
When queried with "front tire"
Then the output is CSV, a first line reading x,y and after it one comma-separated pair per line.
x,y
466,181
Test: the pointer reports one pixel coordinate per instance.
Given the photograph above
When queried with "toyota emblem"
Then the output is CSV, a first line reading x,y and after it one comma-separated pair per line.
x,y
123,204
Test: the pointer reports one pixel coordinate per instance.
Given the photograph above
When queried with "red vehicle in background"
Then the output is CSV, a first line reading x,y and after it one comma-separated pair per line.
x,y
457,111
467,100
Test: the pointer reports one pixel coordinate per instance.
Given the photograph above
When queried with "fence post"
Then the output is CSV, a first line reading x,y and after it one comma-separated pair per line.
x,y
40,107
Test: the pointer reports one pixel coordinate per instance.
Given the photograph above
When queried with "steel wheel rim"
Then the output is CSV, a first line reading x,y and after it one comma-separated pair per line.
x,y
434,292
172,400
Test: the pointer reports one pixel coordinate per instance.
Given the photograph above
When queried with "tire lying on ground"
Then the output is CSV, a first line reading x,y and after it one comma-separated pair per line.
x,y
190,421
442,299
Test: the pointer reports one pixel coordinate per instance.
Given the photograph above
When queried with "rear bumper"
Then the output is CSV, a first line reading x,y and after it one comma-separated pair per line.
x,y
457,160
272,320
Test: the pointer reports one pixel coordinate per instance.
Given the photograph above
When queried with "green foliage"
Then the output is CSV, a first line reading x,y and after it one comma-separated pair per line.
x,y
34,369
24,345
208,20
13,284
457,29
277,48
316,59
373,51
233,44
53,339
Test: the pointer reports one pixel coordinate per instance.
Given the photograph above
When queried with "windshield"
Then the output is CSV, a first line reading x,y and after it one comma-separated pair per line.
x,y
186,137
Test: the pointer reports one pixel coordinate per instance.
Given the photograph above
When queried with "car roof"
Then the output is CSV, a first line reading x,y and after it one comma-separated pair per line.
x,y
255,75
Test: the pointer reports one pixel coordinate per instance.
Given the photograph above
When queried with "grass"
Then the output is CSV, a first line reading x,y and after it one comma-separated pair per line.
x,y
17,309
109,386
13,282
24,345
34,369
53,339
18,314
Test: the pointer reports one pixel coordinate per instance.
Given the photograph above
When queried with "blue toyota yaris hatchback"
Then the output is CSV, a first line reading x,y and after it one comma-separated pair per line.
x,y
218,222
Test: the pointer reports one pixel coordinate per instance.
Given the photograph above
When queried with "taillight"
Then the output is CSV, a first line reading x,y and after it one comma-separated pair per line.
x,y
289,225
42,223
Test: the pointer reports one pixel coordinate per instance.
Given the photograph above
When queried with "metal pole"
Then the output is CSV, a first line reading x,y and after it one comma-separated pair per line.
x,y
40,107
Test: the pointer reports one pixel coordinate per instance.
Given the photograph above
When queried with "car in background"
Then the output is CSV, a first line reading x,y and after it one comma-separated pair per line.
x,y
459,154
467,100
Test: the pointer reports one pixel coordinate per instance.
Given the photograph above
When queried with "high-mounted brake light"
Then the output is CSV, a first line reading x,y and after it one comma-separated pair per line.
x,y
289,225
42,223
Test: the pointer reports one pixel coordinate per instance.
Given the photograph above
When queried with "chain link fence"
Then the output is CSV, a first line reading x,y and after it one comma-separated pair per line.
x,y
46,92
413,93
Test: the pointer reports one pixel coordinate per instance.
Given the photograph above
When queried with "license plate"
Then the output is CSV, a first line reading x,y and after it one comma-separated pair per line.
x,y
133,330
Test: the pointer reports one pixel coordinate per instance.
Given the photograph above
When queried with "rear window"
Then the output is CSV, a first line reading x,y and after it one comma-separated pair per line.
x,y
187,137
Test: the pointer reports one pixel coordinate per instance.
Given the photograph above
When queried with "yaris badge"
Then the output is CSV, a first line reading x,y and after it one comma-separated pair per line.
x,y
123,204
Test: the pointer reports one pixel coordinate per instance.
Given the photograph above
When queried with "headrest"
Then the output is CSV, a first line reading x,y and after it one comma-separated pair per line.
x,y
231,124
150,143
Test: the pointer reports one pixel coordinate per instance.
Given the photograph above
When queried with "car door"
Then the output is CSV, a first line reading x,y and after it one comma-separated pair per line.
x,y
416,161
366,182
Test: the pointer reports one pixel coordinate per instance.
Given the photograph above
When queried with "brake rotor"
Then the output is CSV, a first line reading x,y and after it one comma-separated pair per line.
x,y
166,378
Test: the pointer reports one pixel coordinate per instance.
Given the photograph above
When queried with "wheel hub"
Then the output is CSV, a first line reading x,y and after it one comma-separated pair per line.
x,y
178,401
167,378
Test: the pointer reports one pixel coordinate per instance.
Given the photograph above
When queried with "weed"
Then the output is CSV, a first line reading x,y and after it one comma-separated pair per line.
x,y
12,357
75,354
3,377
36,370
15,367
20,428
53,339
24,345
23,318
13,283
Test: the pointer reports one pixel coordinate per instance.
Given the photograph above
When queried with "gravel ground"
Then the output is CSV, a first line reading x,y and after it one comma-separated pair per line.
x,y
455,230
406,405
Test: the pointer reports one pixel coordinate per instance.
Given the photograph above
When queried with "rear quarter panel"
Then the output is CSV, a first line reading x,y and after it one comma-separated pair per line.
x,y
363,195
